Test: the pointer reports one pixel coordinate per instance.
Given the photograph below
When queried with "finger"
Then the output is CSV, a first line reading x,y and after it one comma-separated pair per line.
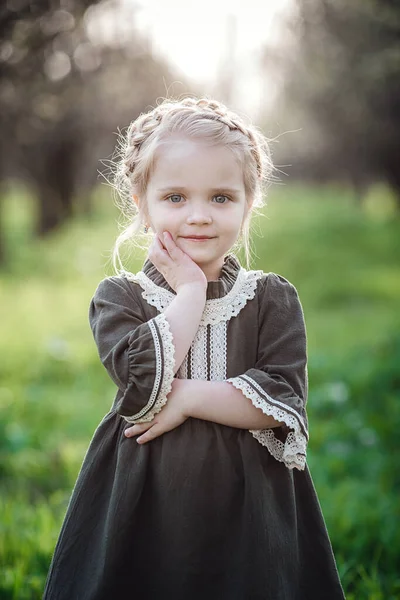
x,y
158,254
164,246
159,240
138,428
170,245
157,244
168,240
151,434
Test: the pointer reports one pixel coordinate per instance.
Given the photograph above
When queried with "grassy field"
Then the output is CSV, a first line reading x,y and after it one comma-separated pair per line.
x,y
344,260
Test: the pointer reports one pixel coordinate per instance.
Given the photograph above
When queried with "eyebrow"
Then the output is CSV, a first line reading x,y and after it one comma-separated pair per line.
x,y
177,188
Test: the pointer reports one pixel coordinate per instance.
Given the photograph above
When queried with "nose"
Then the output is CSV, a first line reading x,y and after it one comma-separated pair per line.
x,y
199,215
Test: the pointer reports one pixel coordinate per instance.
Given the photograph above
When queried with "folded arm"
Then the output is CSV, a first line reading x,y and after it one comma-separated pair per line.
x,y
220,402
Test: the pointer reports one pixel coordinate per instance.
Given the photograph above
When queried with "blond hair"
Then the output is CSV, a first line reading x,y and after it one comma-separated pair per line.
x,y
204,118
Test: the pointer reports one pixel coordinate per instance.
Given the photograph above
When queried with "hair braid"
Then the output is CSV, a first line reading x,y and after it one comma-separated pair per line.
x,y
147,123
221,113
138,132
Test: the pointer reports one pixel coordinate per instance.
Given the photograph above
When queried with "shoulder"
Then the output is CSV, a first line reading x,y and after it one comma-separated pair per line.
x,y
273,285
115,288
115,298
276,294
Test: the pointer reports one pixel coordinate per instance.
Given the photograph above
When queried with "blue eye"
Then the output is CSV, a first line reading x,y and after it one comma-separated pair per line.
x,y
174,196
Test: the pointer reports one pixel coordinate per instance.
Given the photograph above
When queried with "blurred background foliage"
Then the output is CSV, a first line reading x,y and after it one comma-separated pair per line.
x,y
68,82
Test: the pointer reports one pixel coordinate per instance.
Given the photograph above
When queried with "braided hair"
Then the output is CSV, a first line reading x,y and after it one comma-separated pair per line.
x,y
197,118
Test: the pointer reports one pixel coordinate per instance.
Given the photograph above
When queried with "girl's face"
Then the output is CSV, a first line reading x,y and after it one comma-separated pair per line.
x,y
197,190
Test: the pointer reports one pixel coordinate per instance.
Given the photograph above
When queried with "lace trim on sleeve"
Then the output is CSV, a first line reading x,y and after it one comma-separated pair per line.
x,y
165,363
293,451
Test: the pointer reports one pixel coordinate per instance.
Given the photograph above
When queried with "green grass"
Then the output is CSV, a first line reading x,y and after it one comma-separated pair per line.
x,y
345,262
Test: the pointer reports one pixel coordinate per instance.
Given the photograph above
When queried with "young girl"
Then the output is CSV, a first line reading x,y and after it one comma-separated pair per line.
x,y
195,485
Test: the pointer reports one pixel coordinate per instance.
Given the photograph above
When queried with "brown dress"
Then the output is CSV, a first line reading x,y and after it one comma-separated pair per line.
x,y
205,511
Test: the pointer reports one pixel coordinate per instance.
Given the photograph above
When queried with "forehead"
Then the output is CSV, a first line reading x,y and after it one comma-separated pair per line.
x,y
187,162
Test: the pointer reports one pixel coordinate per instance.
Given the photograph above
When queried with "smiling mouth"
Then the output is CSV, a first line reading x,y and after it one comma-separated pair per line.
x,y
197,239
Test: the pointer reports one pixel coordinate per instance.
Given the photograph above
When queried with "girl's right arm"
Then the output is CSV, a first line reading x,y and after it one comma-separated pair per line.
x,y
142,356
190,284
183,315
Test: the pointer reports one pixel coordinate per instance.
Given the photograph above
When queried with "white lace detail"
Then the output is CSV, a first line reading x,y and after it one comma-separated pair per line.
x,y
198,363
215,309
290,416
199,351
293,451
216,313
288,452
168,352
218,351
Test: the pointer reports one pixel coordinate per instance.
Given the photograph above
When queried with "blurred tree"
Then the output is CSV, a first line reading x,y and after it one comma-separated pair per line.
x,y
35,118
71,73
343,88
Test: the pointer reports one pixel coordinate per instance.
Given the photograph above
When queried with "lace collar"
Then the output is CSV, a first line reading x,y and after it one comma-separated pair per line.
x,y
225,298
215,289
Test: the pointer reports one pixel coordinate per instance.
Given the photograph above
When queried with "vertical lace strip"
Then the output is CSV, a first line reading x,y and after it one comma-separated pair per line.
x,y
198,363
218,351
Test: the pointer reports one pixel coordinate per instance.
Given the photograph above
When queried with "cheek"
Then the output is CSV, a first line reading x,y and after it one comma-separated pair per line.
x,y
237,218
164,220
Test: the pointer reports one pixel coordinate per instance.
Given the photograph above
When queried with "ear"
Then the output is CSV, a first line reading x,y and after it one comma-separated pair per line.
x,y
144,215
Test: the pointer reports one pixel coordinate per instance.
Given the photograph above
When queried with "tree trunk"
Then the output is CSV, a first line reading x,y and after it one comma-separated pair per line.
x,y
50,211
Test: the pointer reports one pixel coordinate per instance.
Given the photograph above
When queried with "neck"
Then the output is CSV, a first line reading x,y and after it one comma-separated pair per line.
x,y
213,271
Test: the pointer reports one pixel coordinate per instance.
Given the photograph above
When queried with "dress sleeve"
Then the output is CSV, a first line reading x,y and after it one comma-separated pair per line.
x,y
278,383
138,354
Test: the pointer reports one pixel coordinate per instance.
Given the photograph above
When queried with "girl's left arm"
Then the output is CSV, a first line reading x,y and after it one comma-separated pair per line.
x,y
220,402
